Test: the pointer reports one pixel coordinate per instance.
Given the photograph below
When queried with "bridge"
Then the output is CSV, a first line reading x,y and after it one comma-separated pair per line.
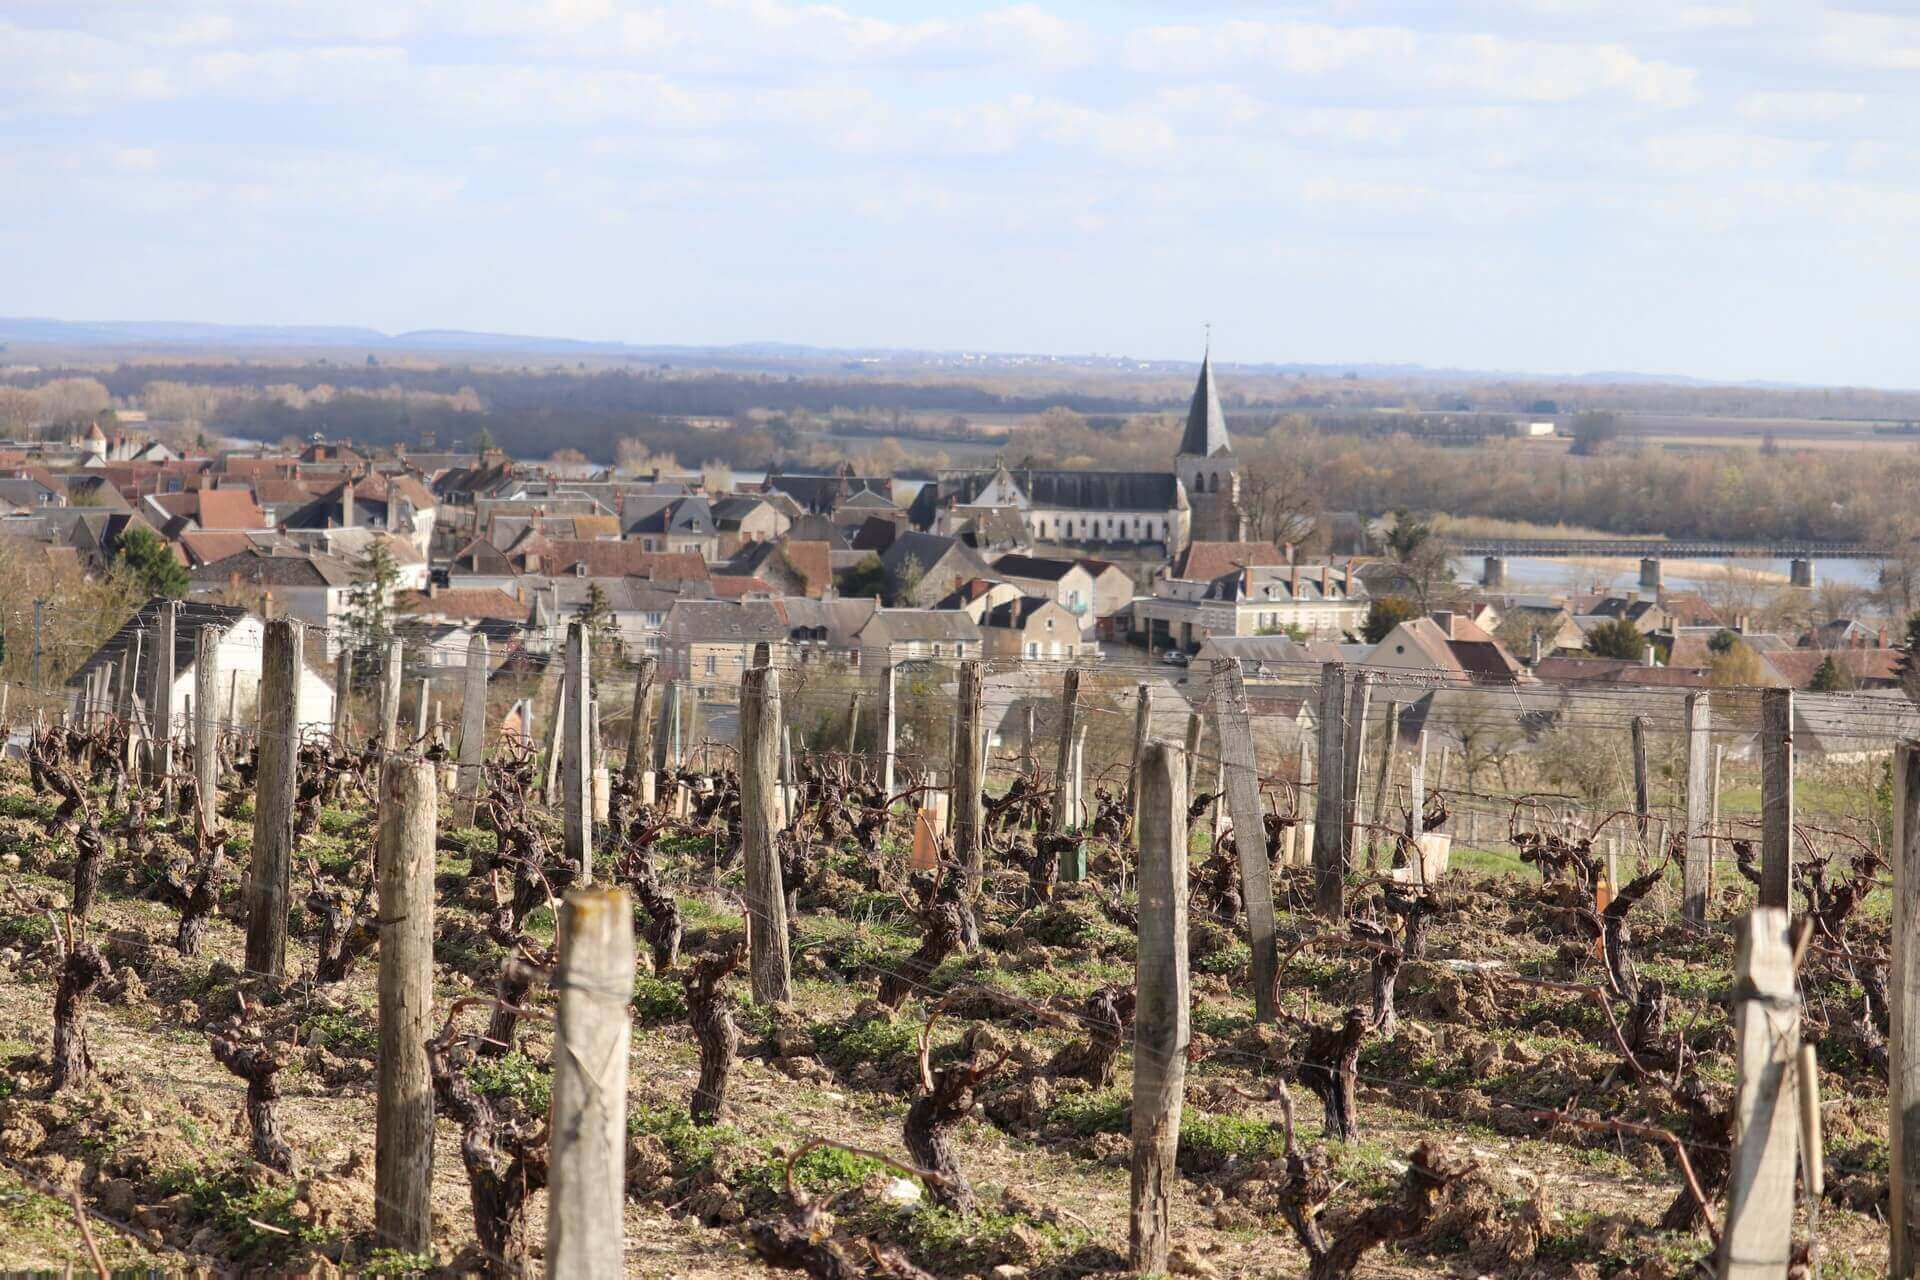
x,y
1661,549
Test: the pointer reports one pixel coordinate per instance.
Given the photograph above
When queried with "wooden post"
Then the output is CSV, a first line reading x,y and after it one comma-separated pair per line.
x,y
233,702
1713,819
403,1121
1642,802
1418,805
1695,872
342,693
1195,728
206,738
966,814
1352,763
642,722
556,741
1032,741
1903,1000
269,878
1160,1026
1249,828
1063,760
473,732
1766,1124
1776,798
1142,723
1383,784
1329,847
420,712
163,709
577,761
889,726
664,725
586,1233
771,976
390,677
129,681
853,723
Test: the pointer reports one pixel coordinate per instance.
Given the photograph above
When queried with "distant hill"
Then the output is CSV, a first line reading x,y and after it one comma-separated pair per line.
x,y
185,335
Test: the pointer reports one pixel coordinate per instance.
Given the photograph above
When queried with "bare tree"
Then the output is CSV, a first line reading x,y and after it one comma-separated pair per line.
x,y
1279,501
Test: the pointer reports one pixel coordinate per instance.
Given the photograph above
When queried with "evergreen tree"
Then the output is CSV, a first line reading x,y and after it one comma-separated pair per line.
x,y
370,599
1617,638
603,633
1384,614
145,555
1830,677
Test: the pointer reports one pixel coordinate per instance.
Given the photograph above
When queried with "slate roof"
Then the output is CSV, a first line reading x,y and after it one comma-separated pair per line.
x,y
1206,433
902,625
1039,568
742,621
192,616
1072,490
269,569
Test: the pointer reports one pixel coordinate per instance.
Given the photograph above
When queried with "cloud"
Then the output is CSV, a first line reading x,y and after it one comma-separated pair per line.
x,y
1802,106
1486,67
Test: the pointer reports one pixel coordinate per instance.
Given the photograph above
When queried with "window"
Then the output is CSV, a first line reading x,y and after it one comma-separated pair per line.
x,y
712,665
936,649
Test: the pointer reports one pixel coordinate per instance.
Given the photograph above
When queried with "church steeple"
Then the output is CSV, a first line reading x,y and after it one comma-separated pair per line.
x,y
1206,425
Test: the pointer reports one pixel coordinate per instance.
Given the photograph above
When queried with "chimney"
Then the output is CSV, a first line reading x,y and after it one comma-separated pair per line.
x,y
1534,660
1649,656
346,504
1326,578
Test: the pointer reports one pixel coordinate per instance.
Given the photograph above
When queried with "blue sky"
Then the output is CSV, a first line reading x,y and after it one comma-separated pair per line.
x,y
1716,188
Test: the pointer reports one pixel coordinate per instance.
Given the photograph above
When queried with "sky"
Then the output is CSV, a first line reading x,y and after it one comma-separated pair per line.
x,y
1722,189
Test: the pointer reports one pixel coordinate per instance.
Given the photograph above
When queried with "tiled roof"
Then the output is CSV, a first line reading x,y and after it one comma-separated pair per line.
x,y
1203,561
463,602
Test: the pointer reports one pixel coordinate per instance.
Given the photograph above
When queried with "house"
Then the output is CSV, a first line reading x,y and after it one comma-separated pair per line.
x,y
1133,509
994,532
922,567
1322,601
977,595
826,494
1273,657
1448,647
238,659
1577,671
820,631
744,518
1646,616
638,609
1034,627
791,567
1857,668
893,636
714,639
1204,560
398,504
1065,582
313,587
671,524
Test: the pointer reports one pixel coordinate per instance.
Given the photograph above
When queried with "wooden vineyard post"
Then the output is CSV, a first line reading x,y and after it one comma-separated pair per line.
x,y
473,732
577,753
342,693
420,708
889,727
642,721
966,814
390,677
1713,815
403,1123
586,1233
1063,759
1695,872
1195,727
1383,782
124,695
1160,1026
163,710
1766,1122
853,723
1642,801
269,878
556,739
770,974
1776,798
1249,828
1329,846
663,725
1903,1000
1352,762
1142,723
206,737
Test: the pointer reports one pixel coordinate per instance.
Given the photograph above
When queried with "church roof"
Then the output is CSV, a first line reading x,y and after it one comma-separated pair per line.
x,y
1206,424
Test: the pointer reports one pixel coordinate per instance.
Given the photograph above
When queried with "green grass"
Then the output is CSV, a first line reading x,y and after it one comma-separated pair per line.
x,y
847,1044
348,1034
237,1206
692,1147
514,1075
1488,862
658,1001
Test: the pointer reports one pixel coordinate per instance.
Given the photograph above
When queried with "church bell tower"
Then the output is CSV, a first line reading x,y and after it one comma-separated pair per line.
x,y
1206,466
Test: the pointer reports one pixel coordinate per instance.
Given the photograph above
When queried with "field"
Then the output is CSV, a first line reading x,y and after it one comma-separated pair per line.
x,y
1027,1040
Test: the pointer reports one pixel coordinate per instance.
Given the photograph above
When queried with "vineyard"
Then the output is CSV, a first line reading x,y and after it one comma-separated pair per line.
x,y
1134,990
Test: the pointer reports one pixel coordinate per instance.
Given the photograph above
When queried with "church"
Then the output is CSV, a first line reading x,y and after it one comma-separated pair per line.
x,y
1151,512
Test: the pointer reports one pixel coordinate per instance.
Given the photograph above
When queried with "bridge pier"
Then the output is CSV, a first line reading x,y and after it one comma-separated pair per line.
x,y
1650,573
1493,572
1801,572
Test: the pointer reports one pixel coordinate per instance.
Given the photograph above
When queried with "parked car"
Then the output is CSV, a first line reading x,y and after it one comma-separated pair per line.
x,y
1176,658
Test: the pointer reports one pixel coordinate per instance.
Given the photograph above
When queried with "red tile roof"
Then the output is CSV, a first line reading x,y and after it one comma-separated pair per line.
x,y
732,586
1204,561
230,509
622,560
463,602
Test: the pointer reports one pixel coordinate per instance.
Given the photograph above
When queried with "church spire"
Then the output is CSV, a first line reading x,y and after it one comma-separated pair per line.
x,y
1206,426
